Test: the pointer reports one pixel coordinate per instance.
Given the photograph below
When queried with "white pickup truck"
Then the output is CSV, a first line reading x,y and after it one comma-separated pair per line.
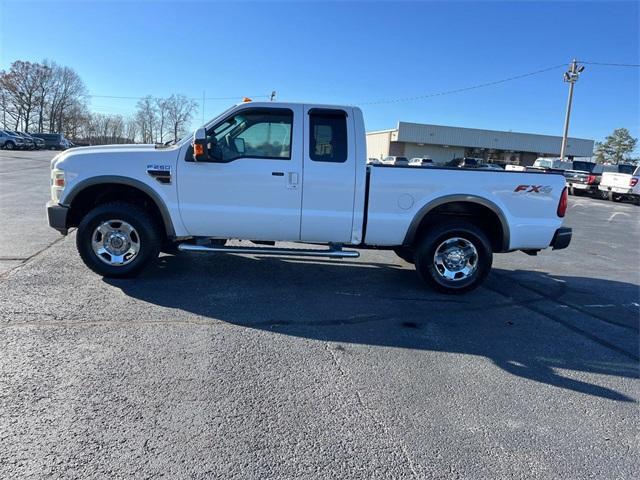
x,y
622,184
271,172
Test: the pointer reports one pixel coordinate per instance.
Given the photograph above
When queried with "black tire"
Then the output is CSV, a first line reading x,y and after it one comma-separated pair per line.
x,y
10,145
405,254
615,197
433,238
147,229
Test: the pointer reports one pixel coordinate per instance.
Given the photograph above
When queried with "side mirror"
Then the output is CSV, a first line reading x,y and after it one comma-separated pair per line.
x,y
200,153
239,143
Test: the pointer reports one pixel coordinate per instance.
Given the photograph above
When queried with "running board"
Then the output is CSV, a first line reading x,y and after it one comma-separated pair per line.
x,y
291,252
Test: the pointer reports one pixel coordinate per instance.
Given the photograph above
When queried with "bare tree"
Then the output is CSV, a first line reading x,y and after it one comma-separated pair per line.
x,y
180,109
20,85
147,118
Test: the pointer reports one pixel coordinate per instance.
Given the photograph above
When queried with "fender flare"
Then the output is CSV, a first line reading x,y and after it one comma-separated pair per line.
x,y
130,182
429,206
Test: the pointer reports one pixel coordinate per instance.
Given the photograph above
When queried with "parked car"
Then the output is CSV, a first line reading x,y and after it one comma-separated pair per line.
x,y
53,141
621,185
39,142
373,161
396,160
585,177
30,143
491,166
551,164
421,162
128,201
465,162
10,141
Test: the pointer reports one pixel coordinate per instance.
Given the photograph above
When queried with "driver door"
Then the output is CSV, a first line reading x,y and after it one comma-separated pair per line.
x,y
250,186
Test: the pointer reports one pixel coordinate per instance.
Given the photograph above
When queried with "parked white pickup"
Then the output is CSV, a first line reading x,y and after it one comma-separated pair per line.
x,y
270,172
618,186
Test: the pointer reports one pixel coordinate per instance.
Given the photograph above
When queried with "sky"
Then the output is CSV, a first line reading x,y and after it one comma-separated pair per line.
x,y
355,53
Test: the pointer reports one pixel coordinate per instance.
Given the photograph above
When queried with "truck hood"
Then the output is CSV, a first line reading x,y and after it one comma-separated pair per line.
x,y
103,152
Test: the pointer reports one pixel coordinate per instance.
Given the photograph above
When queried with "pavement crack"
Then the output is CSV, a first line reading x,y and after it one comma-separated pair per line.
x,y
26,260
371,413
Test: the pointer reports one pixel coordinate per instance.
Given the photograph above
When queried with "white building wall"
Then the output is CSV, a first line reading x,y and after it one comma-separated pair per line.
x,y
378,144
437,153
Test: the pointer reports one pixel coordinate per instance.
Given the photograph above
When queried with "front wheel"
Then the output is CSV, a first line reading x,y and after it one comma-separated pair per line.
x,y
118,240
454,257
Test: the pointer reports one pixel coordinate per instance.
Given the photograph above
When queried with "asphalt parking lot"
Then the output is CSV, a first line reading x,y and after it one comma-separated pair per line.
x,y
234,366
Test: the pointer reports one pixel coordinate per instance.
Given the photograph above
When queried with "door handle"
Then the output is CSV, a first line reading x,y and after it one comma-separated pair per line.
x,y
277,174
292,180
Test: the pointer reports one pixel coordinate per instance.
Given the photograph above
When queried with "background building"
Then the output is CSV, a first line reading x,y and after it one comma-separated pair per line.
x,y
445,143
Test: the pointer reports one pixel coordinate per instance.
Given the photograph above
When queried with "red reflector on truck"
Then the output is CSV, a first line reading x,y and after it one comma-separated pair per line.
x,y
562,204
633,182
591,179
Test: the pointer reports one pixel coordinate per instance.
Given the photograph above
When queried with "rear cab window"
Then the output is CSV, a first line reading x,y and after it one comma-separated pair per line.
x,y
328,135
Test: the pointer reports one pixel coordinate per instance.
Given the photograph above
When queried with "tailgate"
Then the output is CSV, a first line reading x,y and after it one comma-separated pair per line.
x,y
615,180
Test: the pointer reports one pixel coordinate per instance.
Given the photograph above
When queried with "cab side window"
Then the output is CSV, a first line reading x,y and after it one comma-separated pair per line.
x,y
252,133
328,135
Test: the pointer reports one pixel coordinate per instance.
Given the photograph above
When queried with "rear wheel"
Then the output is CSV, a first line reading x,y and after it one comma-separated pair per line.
x,y
118,240
615,197
454,257
10,145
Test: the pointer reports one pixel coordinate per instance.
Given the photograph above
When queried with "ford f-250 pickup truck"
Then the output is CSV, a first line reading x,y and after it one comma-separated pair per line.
x,y
270,172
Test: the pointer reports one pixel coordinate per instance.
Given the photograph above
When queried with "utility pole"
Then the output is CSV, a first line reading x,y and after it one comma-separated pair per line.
x,y
570,77
203,107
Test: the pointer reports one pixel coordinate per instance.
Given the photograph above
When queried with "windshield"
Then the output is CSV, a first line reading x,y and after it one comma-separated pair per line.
x,y
628,169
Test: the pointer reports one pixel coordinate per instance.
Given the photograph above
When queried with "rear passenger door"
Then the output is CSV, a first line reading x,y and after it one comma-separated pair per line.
x,y
329,172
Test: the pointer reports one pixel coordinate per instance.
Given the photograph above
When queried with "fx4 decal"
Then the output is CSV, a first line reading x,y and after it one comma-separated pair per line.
x,y
534,188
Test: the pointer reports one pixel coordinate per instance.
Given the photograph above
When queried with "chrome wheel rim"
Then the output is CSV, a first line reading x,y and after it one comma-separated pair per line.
x,y
456,259
115,242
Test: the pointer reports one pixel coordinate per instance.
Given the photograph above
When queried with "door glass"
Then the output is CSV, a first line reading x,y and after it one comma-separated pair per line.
x,y
328,137
253,133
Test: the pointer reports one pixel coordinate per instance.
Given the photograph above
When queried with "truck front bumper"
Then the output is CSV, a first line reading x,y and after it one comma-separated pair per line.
x,y
57,215
561,239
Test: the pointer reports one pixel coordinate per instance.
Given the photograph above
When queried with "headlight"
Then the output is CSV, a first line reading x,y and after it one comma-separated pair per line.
x,y
57,184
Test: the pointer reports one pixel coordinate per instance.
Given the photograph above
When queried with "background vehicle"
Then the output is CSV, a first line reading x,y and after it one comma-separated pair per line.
x,y
421,162
10,141
622,184
491,166
53,141
466,162
395,160
552,163
39,143
269,172
30,143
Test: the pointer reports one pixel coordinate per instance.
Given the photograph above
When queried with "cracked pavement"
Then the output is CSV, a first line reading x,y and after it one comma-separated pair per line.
x,y
234,366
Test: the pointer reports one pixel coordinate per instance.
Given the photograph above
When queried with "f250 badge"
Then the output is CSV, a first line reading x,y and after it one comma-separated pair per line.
x,y
162,168
533,188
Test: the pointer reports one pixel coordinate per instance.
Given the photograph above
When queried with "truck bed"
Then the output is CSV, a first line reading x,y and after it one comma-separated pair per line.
x,y
526,202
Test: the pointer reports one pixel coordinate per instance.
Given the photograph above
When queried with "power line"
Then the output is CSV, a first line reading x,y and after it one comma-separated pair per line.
x,y
464,89
612,64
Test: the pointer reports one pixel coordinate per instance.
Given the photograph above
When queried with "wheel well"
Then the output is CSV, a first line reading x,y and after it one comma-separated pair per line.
x,y
95,195
481,216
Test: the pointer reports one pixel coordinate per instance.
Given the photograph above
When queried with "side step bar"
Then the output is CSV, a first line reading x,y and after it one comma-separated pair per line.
x,y
290,252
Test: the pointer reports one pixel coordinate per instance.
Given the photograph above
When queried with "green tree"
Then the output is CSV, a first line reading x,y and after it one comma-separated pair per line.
x,y
616,146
